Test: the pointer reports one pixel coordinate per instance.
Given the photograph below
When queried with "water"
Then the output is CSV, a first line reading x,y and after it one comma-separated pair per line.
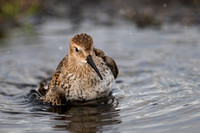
x,y
157,90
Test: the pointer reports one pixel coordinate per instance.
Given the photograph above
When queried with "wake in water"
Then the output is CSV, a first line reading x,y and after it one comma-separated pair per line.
x,y
34,96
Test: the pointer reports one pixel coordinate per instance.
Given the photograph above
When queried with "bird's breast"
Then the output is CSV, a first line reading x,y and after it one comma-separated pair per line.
x,y
88,86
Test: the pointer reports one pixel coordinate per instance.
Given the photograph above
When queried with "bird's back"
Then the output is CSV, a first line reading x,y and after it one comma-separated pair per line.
x,y
109,62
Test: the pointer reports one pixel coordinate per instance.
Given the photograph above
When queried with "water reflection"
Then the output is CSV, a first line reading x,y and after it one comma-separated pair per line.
x,y
86,119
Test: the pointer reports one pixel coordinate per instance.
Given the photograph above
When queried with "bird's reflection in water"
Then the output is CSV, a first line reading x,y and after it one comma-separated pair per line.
x,y
87,118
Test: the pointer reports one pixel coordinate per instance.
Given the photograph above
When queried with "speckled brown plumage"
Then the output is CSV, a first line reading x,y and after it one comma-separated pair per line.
x,y
109,61
86,73
84,40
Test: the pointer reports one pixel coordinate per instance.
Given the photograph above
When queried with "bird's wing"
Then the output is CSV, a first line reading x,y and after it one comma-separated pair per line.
x,y
62,63
54,81
109,61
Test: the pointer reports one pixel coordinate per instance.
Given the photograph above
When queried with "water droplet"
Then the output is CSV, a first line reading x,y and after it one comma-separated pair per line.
x,y
164,5
60,48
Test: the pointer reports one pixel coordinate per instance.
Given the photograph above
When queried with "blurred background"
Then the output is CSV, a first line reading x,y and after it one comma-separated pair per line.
x,y
155,44
26,14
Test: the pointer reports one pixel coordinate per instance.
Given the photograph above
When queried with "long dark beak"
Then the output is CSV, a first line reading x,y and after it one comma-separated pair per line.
x,y
91,63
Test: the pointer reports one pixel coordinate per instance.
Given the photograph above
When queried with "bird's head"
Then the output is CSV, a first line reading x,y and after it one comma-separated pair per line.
x,y
81,51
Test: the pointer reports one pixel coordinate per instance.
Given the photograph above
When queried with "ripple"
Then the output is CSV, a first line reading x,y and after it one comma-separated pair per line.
x,y
157,89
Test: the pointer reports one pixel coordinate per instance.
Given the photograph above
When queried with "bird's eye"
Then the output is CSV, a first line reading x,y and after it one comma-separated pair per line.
x,y
76,49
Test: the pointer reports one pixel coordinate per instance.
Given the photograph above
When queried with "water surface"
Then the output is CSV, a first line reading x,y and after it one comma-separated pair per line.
x,y
158,88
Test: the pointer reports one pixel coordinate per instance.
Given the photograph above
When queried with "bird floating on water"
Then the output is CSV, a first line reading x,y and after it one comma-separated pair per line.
x,y
85,74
